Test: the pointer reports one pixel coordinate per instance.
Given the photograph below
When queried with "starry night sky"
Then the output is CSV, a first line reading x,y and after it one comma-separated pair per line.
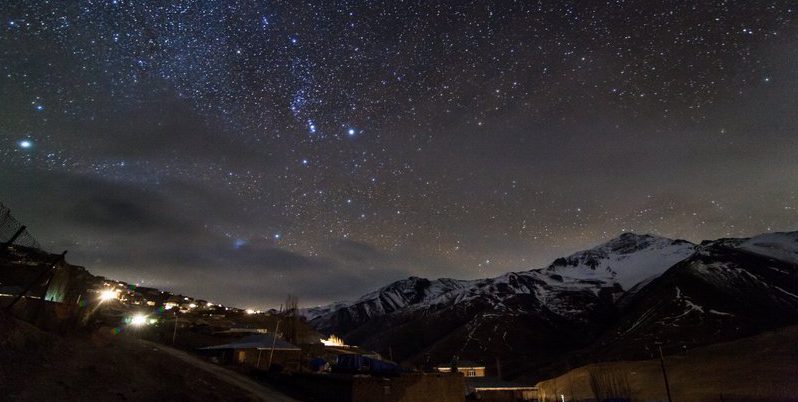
x,y
242,150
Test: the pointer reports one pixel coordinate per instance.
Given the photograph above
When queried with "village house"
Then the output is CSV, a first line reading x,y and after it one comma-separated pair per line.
x,y
258,352
489,389
467,368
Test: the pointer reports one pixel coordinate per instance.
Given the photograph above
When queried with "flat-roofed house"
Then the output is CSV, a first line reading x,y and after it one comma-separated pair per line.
x,y
256,351
467,368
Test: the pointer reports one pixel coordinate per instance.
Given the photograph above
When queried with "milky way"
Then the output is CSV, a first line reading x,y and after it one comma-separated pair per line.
x,y
243,150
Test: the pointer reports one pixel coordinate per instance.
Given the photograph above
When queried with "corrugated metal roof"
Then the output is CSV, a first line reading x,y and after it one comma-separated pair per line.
x,y
256,342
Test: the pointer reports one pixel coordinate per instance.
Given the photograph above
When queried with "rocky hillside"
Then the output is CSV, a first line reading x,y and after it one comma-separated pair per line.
x,y
727,289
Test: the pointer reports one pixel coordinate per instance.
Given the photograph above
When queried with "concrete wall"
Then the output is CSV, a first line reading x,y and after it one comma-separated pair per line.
x,y
758,368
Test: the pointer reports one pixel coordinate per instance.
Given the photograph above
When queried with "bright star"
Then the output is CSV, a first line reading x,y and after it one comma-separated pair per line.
x,y
25,144
351,131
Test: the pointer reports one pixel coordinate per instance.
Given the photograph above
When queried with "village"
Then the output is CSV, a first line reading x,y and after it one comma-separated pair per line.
x,y
275,347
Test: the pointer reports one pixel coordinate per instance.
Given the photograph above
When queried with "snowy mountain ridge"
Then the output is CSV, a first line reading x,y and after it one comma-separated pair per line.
x,y
619,263
612,301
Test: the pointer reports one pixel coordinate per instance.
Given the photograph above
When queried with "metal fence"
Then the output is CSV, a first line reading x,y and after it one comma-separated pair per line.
x,y
10,227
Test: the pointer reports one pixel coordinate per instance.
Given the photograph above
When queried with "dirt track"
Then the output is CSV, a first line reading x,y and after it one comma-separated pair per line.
x,y
257,390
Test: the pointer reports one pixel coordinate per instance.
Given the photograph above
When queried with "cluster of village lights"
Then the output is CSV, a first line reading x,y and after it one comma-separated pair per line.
x,y
136,320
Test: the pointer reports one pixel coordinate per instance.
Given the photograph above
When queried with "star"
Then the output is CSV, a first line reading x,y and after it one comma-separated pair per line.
x,y
413,141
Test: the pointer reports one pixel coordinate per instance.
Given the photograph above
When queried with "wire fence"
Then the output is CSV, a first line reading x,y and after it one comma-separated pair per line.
x,y
9,226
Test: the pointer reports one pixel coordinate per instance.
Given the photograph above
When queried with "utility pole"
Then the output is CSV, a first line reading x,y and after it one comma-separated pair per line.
x,y
499,369
274,337
174,334
664,373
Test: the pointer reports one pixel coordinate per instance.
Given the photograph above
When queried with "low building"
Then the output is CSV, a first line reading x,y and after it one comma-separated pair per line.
x,y
467,368
258,352
490,389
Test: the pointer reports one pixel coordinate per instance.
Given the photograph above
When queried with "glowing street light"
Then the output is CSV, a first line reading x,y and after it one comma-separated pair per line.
x,y
138,320
108,294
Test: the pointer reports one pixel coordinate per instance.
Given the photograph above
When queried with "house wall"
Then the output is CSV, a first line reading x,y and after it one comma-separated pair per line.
x,y
288,359
472,371
57,287
465,371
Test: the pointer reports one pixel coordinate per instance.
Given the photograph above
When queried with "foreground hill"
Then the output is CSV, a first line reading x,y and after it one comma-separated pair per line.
x,y
610,302
36,365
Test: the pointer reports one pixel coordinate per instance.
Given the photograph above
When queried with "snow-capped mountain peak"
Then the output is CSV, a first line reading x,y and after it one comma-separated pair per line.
x,y
627,259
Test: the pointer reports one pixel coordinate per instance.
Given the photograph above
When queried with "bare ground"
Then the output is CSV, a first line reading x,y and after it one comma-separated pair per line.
x,y
102,366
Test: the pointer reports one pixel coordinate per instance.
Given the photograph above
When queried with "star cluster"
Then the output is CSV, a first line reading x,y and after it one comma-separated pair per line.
x,y
297,143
